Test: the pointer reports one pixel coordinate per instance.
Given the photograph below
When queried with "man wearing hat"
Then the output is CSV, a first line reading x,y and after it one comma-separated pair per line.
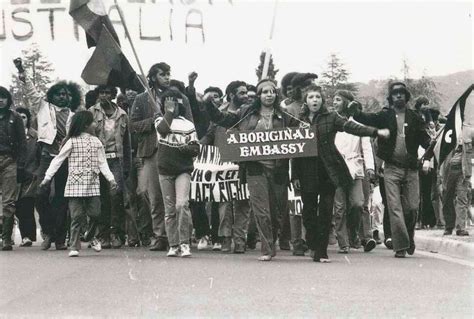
x,y
407,133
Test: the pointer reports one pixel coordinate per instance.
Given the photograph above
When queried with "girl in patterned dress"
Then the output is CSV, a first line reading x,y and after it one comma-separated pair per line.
x,y
86,159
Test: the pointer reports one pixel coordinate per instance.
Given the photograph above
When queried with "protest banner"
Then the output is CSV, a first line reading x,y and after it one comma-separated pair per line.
x,y
240,146
214,180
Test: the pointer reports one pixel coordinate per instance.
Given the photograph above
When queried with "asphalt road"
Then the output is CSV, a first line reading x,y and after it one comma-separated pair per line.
x,y
134,282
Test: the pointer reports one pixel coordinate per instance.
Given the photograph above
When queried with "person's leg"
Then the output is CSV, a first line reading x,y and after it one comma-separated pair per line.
x,y
131,208
103,221
157,210
411,204
260,204
144,222
9,196
340,218
385,219
215,221
285,234
326,204
393,177
78,215
182,187
25,211
463,190
167,185
42,203
449,195
200,219
252,231
278,196
359,200
59,207
310,211
225,219
437,202
117,211
241,223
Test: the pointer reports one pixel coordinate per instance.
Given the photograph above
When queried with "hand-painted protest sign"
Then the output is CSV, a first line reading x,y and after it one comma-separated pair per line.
x,y
215,181
240,146
294,203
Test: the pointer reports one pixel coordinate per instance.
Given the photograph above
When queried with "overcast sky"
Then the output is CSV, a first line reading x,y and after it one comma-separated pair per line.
x,y
372,38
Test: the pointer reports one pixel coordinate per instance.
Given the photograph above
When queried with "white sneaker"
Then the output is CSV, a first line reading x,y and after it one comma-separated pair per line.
x,y
96,245
26,242
73,253
173,252
185,250
217,247
203,243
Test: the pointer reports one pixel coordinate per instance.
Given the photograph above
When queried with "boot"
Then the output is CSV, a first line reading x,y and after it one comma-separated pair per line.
x,y
7,233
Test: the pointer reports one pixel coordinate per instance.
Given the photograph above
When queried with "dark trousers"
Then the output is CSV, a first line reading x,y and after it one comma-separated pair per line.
x,y
317,217
215,221
200,220
112,217
53,211
268,201
427,214
25,211
386,220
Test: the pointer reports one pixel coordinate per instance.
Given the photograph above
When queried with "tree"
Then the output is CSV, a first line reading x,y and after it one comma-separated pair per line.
x,y
272,72
39,69
335,77
424,86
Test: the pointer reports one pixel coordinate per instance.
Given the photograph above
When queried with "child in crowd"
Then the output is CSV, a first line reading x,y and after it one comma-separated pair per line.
x,y
86,159
177,146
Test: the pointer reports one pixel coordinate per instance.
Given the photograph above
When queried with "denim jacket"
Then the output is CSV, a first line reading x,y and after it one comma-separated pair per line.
x,y
122,133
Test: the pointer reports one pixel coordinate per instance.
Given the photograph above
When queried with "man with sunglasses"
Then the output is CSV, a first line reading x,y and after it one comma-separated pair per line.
x,y
399,152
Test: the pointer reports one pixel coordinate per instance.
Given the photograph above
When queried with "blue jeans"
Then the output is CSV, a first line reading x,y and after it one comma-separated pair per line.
x,y
403,199
178,220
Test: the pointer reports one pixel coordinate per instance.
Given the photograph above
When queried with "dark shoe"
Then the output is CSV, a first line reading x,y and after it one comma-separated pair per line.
x,y
284,245
369,245
251,245
388,243
376,236
7,229
105,243
7,246
46,244
226,245
146,241
411,250
298,249
115,241
134,243
239,247
448,231
401,254
60,246
462,232
161,244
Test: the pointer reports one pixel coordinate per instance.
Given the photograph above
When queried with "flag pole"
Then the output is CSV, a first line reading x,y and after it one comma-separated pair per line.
x,y
122,19
268,53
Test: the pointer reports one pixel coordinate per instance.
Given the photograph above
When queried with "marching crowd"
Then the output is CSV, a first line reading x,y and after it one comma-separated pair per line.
x,y
119,173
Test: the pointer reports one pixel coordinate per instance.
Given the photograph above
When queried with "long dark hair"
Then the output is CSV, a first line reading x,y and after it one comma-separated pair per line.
x,y
79,123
